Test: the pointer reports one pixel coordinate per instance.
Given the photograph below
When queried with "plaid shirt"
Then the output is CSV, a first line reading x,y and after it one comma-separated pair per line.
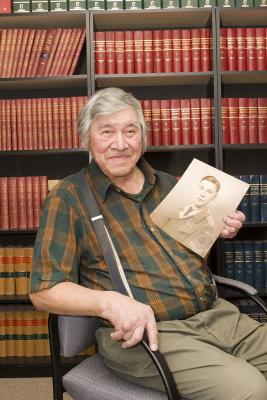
x,y
160,271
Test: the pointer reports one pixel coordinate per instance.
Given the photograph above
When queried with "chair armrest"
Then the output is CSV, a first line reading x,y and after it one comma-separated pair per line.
x,y
234,284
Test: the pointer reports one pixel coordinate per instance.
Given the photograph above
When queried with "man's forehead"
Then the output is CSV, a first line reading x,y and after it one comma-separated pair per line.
x,y
124,117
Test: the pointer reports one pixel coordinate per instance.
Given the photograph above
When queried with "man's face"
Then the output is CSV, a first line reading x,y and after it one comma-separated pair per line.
x,y
205,194
115,142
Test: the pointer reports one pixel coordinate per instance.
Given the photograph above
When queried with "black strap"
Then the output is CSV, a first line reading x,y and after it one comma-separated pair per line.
x,y
101,233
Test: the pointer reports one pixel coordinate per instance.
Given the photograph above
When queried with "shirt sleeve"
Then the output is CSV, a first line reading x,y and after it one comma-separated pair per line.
x,y
56,250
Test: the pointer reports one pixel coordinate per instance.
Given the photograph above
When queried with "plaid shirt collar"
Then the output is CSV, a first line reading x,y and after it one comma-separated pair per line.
x,y
102,183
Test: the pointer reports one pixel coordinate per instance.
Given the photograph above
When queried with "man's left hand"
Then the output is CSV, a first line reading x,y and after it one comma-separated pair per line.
x,y
233,222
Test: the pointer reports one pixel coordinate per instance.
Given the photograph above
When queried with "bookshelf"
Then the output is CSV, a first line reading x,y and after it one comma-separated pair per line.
x,y
214,84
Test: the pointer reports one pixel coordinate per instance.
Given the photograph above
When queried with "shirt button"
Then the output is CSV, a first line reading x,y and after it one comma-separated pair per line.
x,y
117,190
189,277
171,253
152,229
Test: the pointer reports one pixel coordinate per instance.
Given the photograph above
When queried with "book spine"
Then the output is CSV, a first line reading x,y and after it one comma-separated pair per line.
x,y
233,120
223,49
52,51
186,121
19,340
119,52
206,121
165,115
29,202
231,49
239,261
129,52
167,50
195,121
27,53
229,267
176,126
67,105
21,282
156,123
22,208
13,203
262,119
110,52
255,198
49,109
146,105
19,124
259,264
243,120
263,197
2,274
205,49
9,270
74,115
225,120
251,49
186,50
177,50
44,56
36,201
4,209
249,262
260,49
253,126
196,50
158,51
62,123
148,52
244,205
138,52
5,7
241,51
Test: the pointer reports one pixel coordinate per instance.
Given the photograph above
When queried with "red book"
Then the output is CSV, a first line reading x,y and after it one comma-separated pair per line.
x,y
36,200
24,116
186,121
12,55
260,49
55,122
19,124
251,49
33,54
49,115
3,125
223,49
29,202
241,50
13,116
16,51
68,127
262,119
44,124
4,214
195,121
177,50
156,123
138,52
196,53
233,120
253,128
52,52
13,203
77,53
148,52
165,116
45,52
62,47
225,120
110,52
158,51
167,50
119,52
100,53
5,7
39,120
129,52
74,115
38,52
146,105
176,125
231,49
206,121
8,125
22,206
69,52
186,50
5,61
43,190
243,120
34,117
206,47
62,123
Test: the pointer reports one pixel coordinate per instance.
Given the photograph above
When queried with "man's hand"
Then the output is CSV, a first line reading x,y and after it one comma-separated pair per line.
x,y
130,319
233,222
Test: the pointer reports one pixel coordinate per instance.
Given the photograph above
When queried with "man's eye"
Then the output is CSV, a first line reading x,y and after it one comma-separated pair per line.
x,y
130,132
106,132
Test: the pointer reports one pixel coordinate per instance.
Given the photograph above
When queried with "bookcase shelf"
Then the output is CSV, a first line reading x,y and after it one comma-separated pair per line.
x,y
239,16
188,148
73,81
244,77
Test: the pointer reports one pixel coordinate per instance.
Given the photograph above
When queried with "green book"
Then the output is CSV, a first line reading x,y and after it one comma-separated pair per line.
x,y
77,5
21,6
189,3
152,4
40,5
244,3
170,4
58,5
207,3
260,3
96,5
226,3
114,4
133,5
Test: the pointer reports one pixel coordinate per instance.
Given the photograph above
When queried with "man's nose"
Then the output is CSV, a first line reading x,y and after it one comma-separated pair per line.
x,y
120,141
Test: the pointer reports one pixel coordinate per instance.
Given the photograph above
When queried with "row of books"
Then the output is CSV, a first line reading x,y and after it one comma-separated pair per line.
x,y
40,123
23,332
254,203
64,5
249,307
42,52
15,269
21,200
152,51
178,121
246,261
244,120
243,49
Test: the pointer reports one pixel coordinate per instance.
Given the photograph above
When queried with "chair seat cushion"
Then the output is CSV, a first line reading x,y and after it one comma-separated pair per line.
x,y
92,380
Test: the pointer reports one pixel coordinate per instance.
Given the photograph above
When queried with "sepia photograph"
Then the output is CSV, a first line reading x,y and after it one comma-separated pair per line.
x,y
192,213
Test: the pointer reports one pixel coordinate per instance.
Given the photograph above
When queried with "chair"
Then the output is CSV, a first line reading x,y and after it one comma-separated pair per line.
x,y
91,379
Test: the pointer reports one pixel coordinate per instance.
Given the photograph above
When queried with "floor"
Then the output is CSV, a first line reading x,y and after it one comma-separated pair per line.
x,y
27,389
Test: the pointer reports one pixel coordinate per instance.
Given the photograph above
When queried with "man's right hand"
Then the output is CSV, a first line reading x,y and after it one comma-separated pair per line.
x,y
131,319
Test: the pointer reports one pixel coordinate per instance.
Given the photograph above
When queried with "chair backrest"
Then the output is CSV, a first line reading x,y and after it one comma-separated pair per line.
x,y
76,333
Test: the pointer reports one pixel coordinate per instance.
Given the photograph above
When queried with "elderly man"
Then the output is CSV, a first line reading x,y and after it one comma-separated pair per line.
x,y
213,351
